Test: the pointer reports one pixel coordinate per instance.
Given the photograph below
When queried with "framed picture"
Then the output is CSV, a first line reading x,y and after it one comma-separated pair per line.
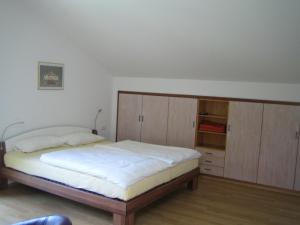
x,y
50,76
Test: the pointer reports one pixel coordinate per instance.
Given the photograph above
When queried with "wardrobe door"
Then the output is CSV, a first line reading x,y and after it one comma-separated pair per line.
x,y
129,116
243,140
297,176
181,122
279,145
154,119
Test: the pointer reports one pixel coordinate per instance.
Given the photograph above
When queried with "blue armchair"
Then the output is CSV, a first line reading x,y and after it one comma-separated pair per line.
x,y
47,220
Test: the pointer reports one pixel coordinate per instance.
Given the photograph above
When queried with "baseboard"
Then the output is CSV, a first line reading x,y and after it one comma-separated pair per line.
x,y
252,185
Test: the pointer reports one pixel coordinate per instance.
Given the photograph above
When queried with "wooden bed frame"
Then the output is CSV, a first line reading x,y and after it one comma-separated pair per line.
x,y
123,211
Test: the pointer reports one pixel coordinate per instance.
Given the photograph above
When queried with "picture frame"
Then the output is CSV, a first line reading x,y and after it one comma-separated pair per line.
x,y
50,76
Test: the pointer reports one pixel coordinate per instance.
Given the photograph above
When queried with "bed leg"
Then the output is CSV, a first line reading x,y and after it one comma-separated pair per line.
x,y
123,220
3,183
193,184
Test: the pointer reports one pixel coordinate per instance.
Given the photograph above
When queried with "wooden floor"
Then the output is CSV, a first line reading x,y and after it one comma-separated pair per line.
x,y
215,203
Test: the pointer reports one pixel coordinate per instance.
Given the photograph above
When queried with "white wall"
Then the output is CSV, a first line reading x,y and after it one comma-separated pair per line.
x,y
265,91
245,40
24,40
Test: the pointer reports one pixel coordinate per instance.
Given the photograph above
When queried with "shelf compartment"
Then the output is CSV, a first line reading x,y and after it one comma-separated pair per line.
x,y
211,132
210,147
213,116
213,140
217,108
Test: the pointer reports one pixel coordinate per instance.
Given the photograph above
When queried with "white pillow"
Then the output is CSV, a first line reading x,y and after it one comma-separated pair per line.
x,y
81,138
38,142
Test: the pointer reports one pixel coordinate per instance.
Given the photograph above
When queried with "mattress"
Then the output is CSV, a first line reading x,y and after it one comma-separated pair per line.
x,y
30,163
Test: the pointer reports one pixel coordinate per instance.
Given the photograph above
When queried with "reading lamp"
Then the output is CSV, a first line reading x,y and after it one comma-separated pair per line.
x,y
94,131
2,143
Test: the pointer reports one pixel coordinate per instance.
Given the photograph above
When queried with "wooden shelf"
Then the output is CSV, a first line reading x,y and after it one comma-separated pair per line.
x,y
213,147
213,116
211,132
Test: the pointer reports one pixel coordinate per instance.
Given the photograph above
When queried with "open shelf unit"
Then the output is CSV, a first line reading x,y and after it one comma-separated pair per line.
x,y
212,111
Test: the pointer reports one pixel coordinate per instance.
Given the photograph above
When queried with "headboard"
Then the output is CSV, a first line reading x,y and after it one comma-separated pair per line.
x,y
53,130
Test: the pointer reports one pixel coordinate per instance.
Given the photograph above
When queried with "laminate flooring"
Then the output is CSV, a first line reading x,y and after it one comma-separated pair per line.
x,y
216,202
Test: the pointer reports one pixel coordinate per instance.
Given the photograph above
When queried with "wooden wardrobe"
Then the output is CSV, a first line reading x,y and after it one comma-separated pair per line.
x,y
182,122
143,118
297,175
243,140
157,119
259,145
279,145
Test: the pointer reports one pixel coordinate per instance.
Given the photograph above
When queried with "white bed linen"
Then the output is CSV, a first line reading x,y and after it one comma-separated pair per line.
x,y
168,154
113,164
123,167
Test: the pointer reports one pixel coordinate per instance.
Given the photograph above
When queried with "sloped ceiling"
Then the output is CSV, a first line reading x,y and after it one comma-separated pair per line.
x,y
241,40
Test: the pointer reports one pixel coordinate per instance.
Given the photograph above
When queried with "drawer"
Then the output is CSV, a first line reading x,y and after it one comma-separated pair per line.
x,y
213,161
212,170
211,152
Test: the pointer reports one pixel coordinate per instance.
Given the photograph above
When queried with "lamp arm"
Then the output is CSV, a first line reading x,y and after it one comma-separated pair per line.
x,y
96,117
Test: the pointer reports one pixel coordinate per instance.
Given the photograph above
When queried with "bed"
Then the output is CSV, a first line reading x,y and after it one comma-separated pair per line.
x,y
27,168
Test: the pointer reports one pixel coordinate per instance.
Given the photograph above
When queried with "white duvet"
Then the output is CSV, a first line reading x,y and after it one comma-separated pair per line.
x,y
168,154
123,163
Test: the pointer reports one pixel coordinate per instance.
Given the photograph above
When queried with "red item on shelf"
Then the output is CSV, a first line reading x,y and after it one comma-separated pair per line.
x,y
212,127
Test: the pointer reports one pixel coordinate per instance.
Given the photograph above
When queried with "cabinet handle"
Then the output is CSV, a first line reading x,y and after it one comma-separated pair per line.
x,y
208,161
207,169
142,118
139,118
228,128
193,124
297,135
208,153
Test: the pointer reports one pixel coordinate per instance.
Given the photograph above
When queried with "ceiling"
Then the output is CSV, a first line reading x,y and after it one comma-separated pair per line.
x,y
248,40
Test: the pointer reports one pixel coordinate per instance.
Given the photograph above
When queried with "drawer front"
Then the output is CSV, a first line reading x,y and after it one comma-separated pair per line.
x,y
212,170
211,152
213,161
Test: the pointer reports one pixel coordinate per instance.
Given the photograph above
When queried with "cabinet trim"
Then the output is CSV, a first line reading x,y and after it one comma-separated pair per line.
x,y
212,97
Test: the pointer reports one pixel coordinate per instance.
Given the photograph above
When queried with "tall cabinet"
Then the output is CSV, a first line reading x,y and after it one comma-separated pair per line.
x,y
279,145
154,119
142,118
182,122
129,117
243,140
297,175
